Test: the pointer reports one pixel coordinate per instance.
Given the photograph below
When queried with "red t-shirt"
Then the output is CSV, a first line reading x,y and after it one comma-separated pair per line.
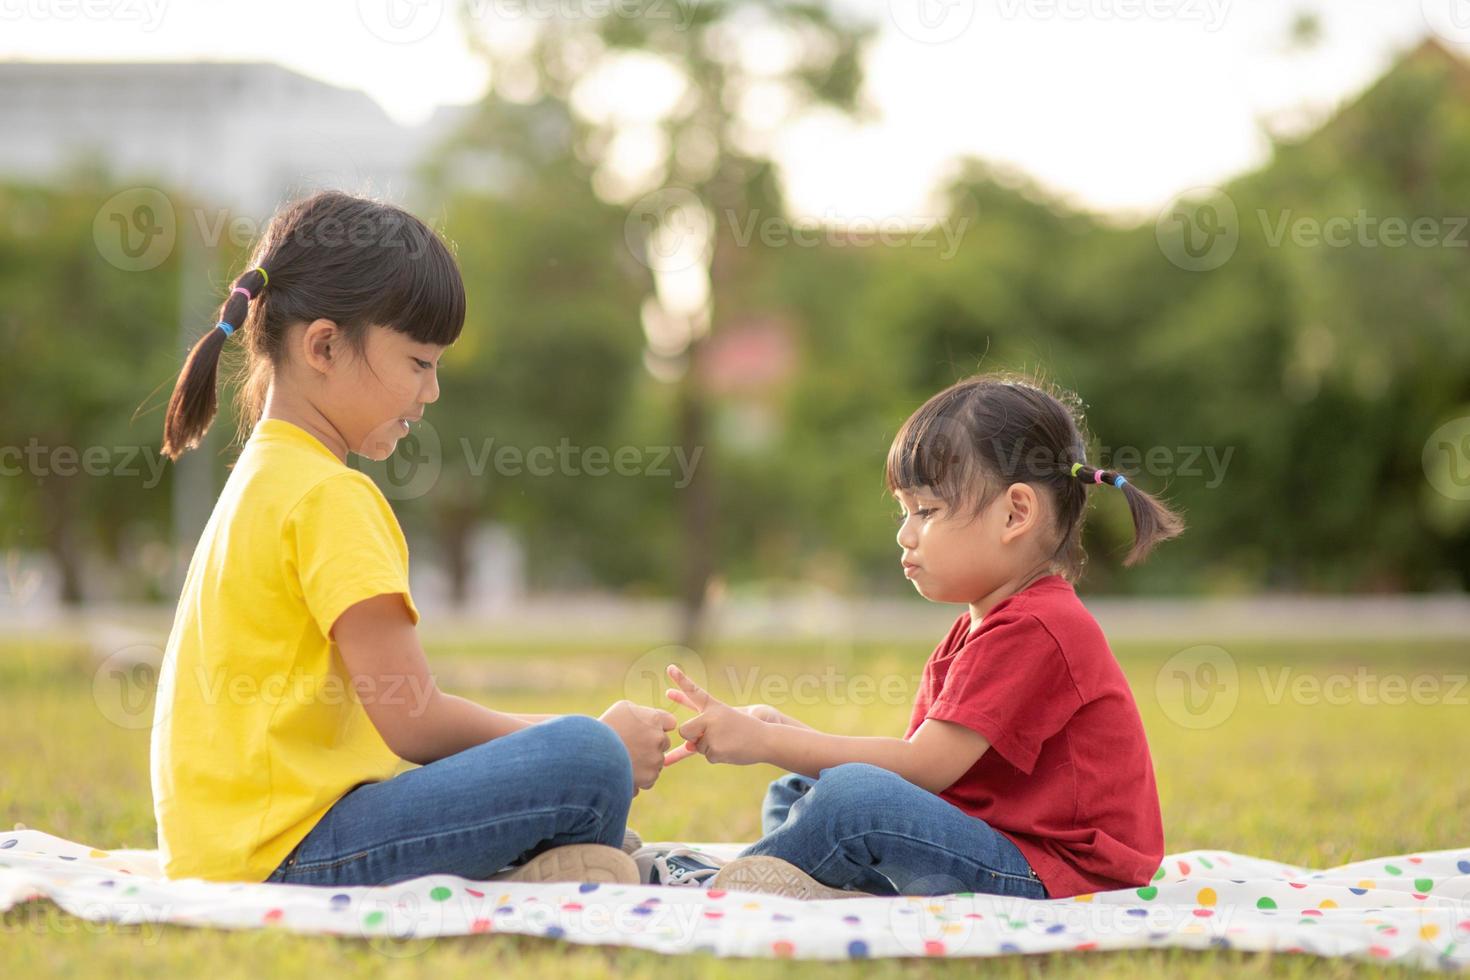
x,y
1067,777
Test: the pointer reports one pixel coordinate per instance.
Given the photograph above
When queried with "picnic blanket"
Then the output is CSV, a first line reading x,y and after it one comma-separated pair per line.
x,y
1410,909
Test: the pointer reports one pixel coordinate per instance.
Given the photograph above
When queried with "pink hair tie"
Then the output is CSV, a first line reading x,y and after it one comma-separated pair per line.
x,y
1097,476
242,289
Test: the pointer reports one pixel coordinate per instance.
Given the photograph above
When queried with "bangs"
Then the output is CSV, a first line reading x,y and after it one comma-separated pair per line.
x,y
424,296
934,451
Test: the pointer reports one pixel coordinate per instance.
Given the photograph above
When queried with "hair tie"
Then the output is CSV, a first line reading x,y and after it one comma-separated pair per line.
x,y
222,325
265,279
242,289
1075,468
1097,476
1119,481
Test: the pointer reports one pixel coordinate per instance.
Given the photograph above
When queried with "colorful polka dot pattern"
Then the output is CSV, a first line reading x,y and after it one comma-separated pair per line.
x,y
1408,909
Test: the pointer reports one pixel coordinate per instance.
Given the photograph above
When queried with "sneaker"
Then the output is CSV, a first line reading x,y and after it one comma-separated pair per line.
x,y
773,876
676,867
631,841
576,862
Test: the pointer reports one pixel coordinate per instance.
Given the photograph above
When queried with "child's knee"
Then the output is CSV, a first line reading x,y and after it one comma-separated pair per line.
x,y
850,784
589,753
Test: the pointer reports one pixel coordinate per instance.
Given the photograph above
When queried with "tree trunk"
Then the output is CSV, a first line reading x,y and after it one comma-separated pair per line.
x,y
58,498
696,509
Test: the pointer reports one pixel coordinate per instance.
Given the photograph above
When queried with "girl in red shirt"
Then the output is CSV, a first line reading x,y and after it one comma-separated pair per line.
x,y
1024,770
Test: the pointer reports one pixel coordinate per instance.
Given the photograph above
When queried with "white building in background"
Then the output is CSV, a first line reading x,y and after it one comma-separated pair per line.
x,y
238,135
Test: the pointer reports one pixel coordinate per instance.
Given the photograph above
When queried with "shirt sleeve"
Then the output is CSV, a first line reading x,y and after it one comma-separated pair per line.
x,y
347,547
1011,684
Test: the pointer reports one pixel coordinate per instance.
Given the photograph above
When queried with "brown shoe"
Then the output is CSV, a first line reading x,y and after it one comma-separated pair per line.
x,y
576,862
773,876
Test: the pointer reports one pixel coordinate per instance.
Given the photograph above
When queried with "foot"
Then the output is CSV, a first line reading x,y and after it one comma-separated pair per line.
x,y
678,867
773,876
576,862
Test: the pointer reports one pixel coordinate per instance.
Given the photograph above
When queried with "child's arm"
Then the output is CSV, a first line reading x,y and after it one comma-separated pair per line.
x,y
937,754
767,713
390,674
420,723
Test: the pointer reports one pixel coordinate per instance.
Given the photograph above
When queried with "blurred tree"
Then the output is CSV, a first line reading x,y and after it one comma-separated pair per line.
x,y
550,350
690,157
82,340
1314,363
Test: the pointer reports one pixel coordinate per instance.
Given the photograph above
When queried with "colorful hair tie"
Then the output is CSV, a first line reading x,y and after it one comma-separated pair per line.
x,y
242,289
222,325
265,279
1119,481
1075,468
1097,476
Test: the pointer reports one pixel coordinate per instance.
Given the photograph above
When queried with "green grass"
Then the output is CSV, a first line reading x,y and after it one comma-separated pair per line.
x,y
1288,774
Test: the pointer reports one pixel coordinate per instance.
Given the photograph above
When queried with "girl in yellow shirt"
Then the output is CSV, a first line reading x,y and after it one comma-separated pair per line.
x,y
294,687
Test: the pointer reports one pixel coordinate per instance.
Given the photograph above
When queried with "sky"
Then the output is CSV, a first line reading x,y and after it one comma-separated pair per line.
x,y
1115,105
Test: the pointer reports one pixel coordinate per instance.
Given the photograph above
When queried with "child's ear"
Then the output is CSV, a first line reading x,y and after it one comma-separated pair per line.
x,y
1023,510
317,343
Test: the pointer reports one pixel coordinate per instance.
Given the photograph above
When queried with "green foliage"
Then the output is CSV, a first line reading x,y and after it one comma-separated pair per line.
x,y
1313,372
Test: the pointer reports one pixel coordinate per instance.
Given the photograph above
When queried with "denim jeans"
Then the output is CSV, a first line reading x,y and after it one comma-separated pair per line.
x,y
863,828
563,781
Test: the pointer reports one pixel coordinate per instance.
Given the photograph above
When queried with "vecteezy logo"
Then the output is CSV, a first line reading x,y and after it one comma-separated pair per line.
x,y
1447,458
932,21
1199,229
647,679
400,21
1450,19
1198,687
669,230
940,916
413,466
406,924
124,683
135,229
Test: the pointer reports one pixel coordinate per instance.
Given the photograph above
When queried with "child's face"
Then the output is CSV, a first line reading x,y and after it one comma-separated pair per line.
x,y
375,396
951,557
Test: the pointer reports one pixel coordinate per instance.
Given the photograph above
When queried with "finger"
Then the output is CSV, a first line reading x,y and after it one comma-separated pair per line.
x,y
680,754
679,697
700,697
693,729
655,716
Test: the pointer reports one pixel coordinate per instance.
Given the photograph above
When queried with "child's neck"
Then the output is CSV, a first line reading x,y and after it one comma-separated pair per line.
x,y
980,608
281,404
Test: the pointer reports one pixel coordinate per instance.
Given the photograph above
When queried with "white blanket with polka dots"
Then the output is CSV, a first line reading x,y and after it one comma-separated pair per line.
x,y
1409,909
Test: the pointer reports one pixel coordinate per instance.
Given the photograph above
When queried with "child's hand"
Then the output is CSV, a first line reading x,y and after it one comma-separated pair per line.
x,y
719,732
644,732
764,712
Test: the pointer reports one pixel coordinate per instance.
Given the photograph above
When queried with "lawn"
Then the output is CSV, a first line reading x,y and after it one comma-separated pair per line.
x,y
1316,754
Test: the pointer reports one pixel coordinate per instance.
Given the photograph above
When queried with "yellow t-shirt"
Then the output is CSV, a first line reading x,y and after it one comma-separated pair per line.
x,y
258,728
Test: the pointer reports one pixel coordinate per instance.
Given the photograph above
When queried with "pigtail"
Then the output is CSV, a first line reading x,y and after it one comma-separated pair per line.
x,y
194,402
1154,522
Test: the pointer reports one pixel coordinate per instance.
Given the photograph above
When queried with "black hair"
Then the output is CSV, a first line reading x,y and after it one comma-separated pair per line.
x,y
982,434
329,256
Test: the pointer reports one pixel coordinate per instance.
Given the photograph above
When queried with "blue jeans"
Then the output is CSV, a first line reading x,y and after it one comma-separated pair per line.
x,y
866,829
563,781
